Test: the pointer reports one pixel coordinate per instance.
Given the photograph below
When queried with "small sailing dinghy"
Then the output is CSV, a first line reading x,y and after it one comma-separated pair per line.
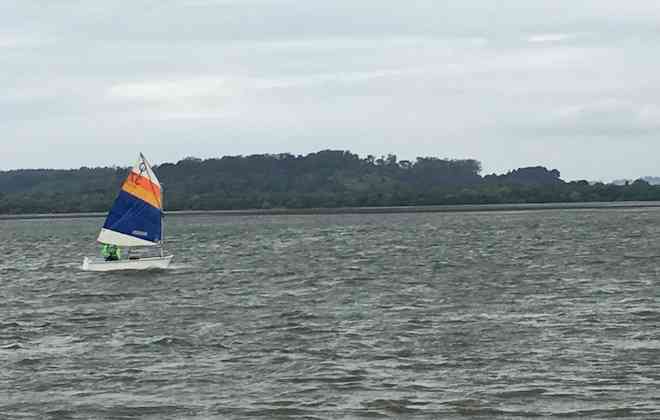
x,y
134,221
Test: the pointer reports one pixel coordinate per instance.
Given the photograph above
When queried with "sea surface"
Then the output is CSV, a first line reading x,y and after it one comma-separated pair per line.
x,y
543,314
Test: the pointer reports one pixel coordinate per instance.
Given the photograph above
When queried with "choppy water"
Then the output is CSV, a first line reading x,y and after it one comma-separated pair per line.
x,y
476,315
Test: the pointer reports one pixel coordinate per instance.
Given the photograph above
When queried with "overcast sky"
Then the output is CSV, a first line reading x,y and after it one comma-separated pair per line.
x,y
568,84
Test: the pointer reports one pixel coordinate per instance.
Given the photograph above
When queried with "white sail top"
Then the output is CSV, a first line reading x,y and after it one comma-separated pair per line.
x,y
142,167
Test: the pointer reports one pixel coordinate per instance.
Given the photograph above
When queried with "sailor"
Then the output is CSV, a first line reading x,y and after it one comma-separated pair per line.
x,y
110,252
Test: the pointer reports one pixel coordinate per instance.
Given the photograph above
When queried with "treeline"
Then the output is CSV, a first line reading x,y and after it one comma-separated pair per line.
x,y
324,179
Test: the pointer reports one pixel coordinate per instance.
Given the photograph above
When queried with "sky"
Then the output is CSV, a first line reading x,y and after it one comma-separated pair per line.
x,y
571,85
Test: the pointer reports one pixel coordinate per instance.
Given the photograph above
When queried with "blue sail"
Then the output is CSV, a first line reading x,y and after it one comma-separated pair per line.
x,y
134,217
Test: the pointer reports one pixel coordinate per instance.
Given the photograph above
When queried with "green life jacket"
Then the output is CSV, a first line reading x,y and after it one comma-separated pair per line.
x,y
110,250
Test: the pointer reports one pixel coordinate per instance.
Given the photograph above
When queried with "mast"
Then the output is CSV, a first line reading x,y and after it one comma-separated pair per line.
x,y
162,207
162,223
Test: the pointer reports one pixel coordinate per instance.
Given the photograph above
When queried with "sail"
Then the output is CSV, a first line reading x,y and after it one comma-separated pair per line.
x,y
135,218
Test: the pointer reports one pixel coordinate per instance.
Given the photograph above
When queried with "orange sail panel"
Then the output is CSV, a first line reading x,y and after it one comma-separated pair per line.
x,y
144,189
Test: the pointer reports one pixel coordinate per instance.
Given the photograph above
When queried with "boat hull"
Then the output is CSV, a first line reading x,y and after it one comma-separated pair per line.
x,y
151,263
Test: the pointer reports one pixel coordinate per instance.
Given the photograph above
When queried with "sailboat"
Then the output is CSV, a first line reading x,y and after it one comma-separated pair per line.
x,y
135,220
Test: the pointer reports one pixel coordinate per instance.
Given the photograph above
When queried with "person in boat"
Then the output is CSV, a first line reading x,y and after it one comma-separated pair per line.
x,y
111,252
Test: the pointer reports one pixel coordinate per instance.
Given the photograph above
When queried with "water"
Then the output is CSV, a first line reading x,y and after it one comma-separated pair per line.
x,y
550,314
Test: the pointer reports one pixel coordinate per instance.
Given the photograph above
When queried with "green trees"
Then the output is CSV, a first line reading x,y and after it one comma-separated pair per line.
x,y
328,178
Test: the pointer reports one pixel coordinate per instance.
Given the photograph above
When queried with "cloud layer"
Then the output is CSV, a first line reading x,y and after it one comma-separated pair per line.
x,y
567,84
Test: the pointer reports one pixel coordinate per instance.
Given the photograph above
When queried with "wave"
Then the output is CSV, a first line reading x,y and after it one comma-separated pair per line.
x,y
165,341
29,362
397,407
269,413
171,341
521,393
12,346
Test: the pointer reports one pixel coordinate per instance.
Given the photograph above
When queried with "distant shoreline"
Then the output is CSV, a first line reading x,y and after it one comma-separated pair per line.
x,y
459,208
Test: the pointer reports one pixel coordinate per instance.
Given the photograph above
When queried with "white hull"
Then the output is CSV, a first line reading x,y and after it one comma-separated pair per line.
x,y
99,264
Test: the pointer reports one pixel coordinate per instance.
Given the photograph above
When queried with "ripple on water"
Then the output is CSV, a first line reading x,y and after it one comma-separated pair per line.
x,y
471,315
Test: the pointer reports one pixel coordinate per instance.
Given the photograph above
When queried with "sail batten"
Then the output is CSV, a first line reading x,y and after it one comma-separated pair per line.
x,y
135,218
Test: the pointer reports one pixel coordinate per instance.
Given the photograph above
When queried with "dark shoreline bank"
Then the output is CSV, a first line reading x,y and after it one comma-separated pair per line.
x,y
459,208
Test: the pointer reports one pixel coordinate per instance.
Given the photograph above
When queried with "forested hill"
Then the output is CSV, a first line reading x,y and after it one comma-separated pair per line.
x,y
324,179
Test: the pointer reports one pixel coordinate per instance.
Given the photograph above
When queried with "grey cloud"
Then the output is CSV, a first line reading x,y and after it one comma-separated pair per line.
x,y
511,83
